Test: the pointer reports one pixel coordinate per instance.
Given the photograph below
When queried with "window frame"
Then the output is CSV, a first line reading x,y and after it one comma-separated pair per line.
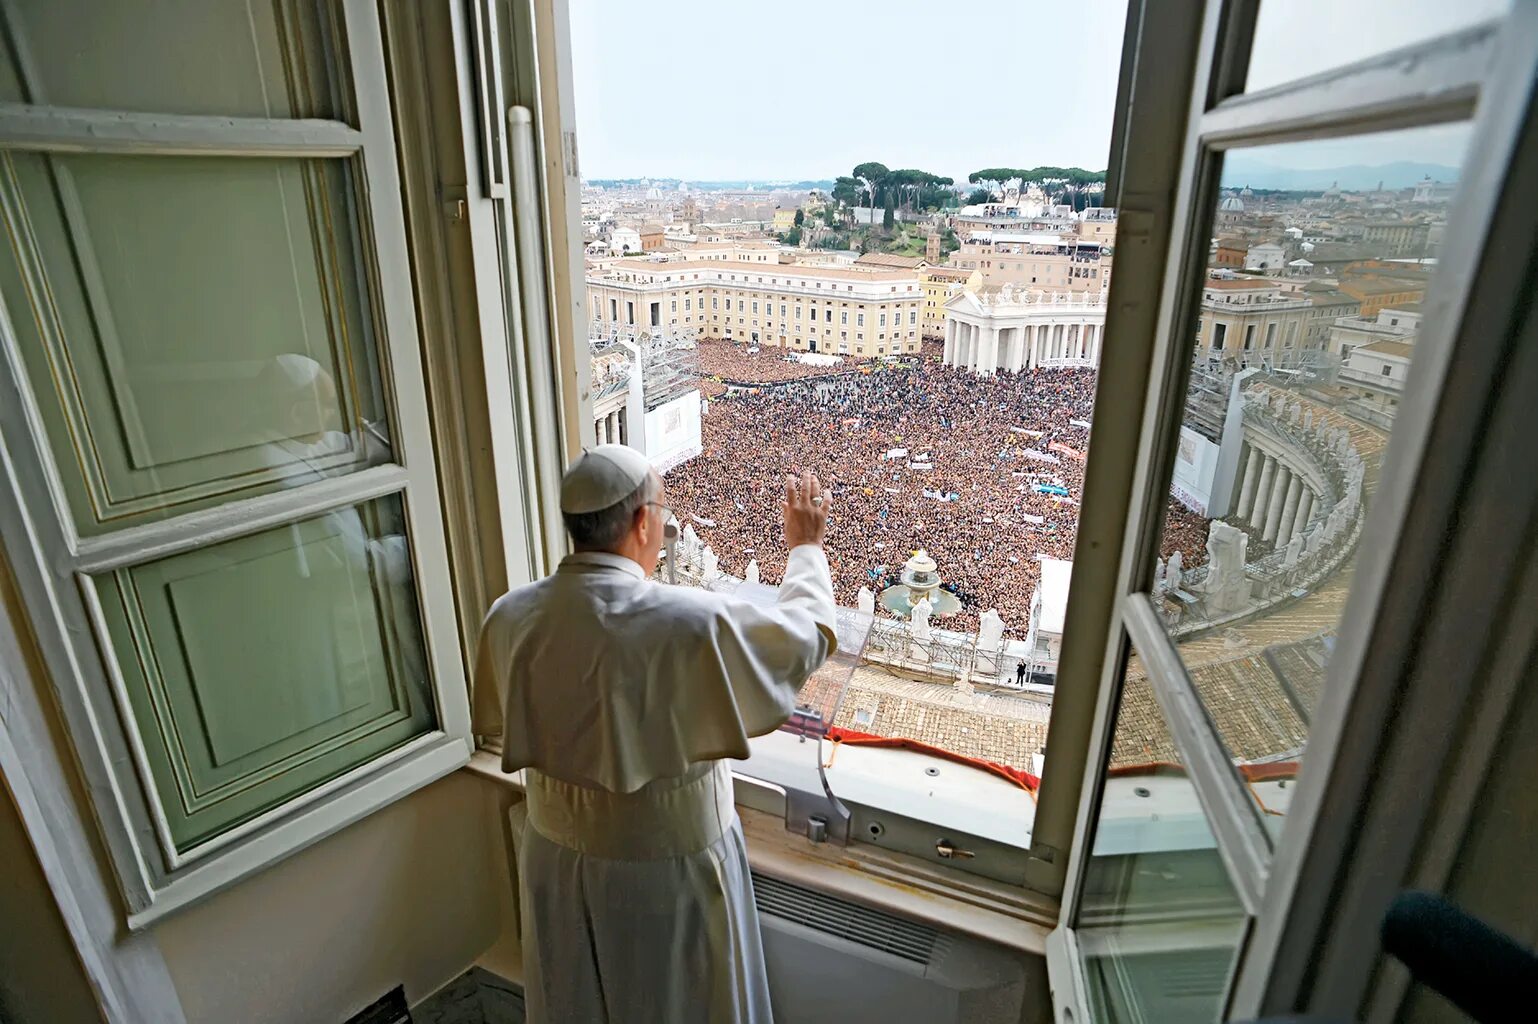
x,y
52,563
1434,82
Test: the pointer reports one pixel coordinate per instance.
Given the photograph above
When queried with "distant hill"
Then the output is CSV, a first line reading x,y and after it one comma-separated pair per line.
x,y
1240,171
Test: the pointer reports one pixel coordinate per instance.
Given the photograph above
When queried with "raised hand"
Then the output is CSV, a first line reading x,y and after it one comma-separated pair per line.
x,y
806,510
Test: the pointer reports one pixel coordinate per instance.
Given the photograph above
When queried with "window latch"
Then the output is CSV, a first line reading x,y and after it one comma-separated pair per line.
x,y
950,851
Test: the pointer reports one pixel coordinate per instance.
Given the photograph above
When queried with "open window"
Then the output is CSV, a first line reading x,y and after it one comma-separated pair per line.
x,y
221,499
1236,655
948,393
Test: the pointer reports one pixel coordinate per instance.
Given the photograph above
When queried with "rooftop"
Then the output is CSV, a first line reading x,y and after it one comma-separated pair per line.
x,y
1383,285
1401,349
890,259
805,270
1241,284
949,273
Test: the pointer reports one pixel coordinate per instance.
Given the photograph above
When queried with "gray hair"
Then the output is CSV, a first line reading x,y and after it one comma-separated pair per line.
x,y
604,528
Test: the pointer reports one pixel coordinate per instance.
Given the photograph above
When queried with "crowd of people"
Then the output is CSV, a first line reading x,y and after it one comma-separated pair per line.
x,y
985,473
740,364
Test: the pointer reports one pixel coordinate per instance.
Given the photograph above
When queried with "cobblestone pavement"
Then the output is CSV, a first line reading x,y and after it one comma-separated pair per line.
x,y
1003,728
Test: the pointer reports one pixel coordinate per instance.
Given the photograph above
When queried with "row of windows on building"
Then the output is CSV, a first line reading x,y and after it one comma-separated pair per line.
x,y
655,312
1220,336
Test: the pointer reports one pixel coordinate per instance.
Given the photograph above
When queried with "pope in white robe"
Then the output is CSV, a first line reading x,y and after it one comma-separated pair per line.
x,y
623,697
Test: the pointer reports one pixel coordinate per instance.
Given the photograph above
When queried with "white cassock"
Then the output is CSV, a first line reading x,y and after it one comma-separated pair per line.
x,y
623,698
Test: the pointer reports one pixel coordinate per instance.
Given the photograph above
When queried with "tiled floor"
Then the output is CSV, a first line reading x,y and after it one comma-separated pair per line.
x,y
475,997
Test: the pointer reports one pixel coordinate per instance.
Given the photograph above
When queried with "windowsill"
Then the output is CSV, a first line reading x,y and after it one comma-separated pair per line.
x,y
1006,915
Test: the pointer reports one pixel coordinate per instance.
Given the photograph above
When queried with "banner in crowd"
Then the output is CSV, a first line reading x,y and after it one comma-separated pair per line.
x,y
1032,453
1072,453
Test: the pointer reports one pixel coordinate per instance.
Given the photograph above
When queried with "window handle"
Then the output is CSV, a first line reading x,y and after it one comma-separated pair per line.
x,y
950,851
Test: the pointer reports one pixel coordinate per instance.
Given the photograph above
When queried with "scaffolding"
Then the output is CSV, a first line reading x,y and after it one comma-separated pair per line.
x,y
668,358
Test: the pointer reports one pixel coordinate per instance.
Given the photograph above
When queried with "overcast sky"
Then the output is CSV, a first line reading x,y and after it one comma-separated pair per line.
x,y
803,89
722,89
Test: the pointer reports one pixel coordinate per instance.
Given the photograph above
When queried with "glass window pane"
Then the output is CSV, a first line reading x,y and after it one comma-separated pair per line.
x,y
170,56
1308,329
1298,38
258,668
194,329
1159,920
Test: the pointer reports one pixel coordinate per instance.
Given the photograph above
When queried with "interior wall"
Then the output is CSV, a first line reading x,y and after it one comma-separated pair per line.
x,y
405,896
41,978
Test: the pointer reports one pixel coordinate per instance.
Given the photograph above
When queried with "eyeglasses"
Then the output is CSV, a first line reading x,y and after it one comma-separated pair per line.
x,y
667,513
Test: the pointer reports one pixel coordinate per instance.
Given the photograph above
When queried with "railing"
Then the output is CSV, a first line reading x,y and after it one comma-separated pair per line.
x,y
945,655
1377,381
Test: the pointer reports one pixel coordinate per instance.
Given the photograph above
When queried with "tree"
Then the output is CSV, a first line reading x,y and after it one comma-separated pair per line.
x,y
872,177
979,196
791,237
846,191
800,218
886,219
993,178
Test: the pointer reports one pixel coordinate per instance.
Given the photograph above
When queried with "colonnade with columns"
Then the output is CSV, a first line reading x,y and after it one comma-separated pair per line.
x,y
1275,499
989,346
612,427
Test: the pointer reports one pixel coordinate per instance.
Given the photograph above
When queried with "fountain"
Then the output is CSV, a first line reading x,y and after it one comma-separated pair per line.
x,y
920,579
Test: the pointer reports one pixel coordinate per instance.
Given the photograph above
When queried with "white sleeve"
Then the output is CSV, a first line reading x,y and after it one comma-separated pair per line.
x,y
809,584
765,655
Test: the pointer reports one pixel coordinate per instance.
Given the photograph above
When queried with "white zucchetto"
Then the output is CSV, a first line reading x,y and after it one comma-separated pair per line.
x,y
601,477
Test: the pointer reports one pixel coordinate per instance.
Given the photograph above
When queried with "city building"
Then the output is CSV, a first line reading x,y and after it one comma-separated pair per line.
x,y
1396,237
939,284
1098,224
802,307
624,240
653,237
993,329
1230,252
1247,319
734,250
784,220
1376,288
890,261
1349,333
1377,373
1016,211
1036,261
1265,256
1328,303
